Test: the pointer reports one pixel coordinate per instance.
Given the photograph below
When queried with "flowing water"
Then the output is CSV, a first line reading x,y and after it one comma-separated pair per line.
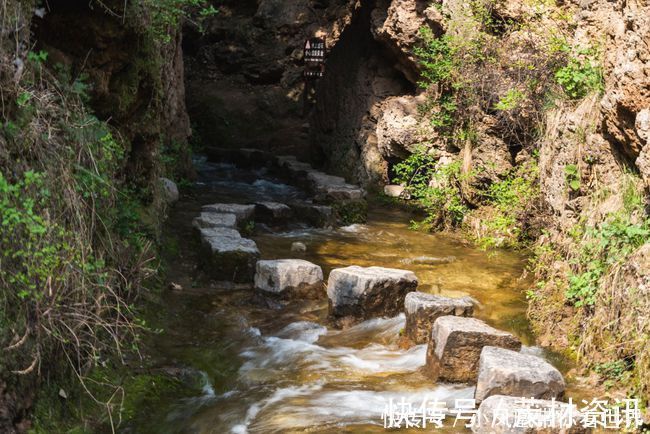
x,y
257,369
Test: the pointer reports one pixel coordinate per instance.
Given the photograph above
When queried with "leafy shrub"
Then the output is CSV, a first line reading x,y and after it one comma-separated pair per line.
x,y
572,176
603,246
580,77
435,187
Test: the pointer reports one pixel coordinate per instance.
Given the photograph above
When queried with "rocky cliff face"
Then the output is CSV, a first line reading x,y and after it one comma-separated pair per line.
x,y
134,81
244,73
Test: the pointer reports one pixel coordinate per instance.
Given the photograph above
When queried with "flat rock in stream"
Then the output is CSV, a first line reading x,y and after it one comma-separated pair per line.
x,y
273,213
289,278
360,293
423,309
318,216
455,347
242,212
229,257
215,220
506,372
499,414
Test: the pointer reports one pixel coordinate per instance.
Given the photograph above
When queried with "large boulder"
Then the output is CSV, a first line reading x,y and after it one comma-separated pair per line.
x,y
499,414
423,309
455,347
242,212
506,372
361,293
289,277
229,257
215,220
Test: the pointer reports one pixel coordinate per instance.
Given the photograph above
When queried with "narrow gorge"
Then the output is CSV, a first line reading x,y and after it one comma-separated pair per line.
x,y
274,216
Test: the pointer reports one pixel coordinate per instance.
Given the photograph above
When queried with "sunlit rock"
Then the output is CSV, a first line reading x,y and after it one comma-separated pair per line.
x,y
506,372
242,212
455,347
229,257
363,293
298,247
289,277
215,220
499,414
423,309
394,190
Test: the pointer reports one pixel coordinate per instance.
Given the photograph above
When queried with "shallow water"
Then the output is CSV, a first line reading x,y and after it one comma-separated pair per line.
x,y
261,370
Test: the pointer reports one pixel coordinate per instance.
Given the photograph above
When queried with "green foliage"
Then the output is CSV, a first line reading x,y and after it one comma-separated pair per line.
x,y
168,14
34,250
435,187
603,246
510,198
510,100
580,77
572,177
436,57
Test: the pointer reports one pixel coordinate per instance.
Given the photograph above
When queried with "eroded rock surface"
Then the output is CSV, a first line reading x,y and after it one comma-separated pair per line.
x,y
289,277
362,293
455,347
506,372
423,309
229,257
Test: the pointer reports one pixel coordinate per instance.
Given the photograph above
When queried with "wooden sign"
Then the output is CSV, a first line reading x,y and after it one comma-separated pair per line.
x,y
314,55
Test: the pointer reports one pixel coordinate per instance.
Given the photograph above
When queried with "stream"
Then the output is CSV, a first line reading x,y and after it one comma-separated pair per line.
x,y
259,369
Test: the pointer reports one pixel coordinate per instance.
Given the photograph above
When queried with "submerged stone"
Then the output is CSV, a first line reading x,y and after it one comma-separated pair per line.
x,y
229,257
423,309
455,347
362,293
506,372
289,277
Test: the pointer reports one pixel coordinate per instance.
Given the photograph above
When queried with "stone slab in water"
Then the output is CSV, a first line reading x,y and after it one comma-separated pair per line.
x,y
318,216
229,257
338,193
423,309
289,277
273,212
243,212
368,292
215,220
455,347
505,409
506,372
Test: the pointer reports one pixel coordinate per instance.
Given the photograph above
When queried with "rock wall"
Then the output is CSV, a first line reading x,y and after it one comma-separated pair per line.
x,y
244,73
134,81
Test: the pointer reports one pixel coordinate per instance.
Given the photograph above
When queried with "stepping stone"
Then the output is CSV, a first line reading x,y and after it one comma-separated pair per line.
x,y
215,220
273,212
455,346
318,180
229,257
506,372
289,277
364,293
423,309
498,414
318,216
242,212
335,193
